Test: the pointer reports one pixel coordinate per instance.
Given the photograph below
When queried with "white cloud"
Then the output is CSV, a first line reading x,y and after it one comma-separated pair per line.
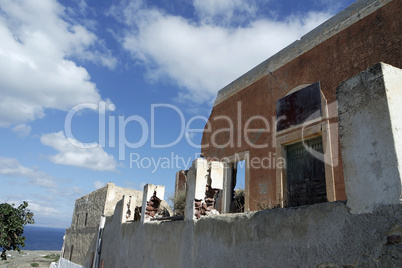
x,y
12,167
223,11
42,210
39,208
36,70
22,130
73,191
74,153
203,56
98,184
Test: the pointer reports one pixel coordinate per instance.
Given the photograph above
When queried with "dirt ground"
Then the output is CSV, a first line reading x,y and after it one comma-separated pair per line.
x,y
29,258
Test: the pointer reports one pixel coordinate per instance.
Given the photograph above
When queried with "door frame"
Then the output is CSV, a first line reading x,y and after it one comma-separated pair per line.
x,y
314,128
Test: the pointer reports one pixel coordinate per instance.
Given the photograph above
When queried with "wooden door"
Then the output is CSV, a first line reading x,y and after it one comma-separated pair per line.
x,y
305,174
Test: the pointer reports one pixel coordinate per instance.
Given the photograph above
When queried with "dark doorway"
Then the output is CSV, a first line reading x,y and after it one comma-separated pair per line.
x,y
305,174
239,187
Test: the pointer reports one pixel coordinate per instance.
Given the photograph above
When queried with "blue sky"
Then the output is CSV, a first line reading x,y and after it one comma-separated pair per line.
x,y
126,82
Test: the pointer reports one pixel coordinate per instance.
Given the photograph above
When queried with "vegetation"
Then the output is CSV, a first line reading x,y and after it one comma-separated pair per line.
x,y
179,202
53,257
12,221
238,201
34,264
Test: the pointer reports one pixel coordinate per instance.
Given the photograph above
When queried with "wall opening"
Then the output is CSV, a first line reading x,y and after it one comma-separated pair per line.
x,y
239,190
294,133
86,219
236,177
93,258
71,252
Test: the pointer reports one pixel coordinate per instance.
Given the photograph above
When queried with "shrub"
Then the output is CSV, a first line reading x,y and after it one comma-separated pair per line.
x,y
238,201
179,202
53,257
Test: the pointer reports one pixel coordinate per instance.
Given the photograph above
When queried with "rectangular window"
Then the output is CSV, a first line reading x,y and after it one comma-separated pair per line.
x,y
299,107
71,252
93,258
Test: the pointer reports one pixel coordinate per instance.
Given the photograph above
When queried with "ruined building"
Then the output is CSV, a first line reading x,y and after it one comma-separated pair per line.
x,y
290,97
80,239
318,126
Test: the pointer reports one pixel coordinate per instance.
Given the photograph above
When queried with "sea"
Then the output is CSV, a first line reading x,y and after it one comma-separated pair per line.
x,y
43,238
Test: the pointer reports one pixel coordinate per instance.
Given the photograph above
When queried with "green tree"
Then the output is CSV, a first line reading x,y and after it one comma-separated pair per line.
x,y
12,221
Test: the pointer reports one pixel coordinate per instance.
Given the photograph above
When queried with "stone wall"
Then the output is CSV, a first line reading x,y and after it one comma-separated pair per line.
x,y
80,239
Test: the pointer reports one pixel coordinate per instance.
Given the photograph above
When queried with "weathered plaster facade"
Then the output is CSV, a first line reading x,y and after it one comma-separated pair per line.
x,y
364,34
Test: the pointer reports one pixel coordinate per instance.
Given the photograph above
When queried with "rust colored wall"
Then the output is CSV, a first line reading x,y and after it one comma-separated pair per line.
x,y
375,38
181,179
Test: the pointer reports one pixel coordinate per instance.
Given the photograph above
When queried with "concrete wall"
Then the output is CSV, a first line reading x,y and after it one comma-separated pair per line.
x,y
63,263
370,126
323,234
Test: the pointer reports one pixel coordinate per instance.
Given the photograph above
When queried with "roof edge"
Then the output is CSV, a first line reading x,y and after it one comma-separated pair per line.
x,y
350,15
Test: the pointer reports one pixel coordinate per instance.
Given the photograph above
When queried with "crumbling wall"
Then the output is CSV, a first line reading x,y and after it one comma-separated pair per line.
x,y
322,234
365,231
364,34
116,193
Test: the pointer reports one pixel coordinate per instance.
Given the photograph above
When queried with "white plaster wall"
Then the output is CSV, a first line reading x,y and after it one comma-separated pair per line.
x,y
201,166
321,235
370,124
63,263
149,190
115,194
217,169
393,85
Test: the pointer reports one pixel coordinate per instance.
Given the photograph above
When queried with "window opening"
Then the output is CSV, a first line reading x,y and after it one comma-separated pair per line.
x,y
71,252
